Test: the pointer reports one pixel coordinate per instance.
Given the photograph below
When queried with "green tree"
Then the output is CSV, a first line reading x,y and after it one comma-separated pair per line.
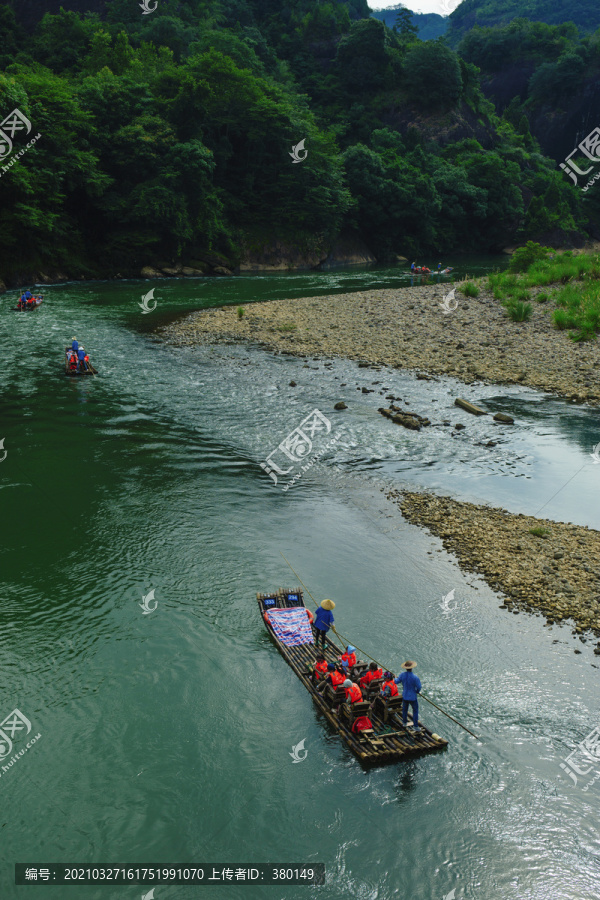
x,y
432,75
405,25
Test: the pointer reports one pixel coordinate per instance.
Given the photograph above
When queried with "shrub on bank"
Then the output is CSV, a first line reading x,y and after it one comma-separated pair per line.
x,y
518,311
524,257
469,289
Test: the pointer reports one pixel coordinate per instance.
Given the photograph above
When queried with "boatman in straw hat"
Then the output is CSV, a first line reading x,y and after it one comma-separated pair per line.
x,y
323,621
411,686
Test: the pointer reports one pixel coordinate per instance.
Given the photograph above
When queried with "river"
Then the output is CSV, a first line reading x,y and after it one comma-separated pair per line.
x,y
166,737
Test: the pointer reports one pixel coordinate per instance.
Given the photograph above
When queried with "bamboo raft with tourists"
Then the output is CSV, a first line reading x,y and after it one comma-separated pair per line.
x,y
289,623
77,361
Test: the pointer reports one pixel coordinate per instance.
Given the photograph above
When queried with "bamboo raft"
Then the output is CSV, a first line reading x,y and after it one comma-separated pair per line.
x,y
389,741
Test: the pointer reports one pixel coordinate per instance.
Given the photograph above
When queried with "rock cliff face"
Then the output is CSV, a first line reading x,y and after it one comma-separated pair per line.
x,y
30,12
279,256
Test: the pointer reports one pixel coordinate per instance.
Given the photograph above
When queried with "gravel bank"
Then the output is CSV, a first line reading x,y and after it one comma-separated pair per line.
x,y
407,328
557,574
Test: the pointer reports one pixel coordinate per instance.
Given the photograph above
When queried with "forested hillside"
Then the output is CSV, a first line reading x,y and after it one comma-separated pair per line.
x,y
545,79
489,13
168,137
429,25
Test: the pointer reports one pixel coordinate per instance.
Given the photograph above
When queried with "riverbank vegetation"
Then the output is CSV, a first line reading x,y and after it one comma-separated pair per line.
x,y
575,280
168,137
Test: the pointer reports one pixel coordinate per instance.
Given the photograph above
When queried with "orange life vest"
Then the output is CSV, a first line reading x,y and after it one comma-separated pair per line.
x,y
354,694
361,724
370,676
392,686
337,678
350,658
320,667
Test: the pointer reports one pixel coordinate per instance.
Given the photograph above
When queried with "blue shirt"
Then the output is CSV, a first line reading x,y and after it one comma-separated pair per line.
x,y
410,685
75,346
81,353
323,619
28,295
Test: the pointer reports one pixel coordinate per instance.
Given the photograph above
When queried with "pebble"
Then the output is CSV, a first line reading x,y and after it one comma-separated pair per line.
x,y
499,546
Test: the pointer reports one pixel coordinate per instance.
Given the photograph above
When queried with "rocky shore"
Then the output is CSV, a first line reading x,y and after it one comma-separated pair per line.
x,y
408,329
555,570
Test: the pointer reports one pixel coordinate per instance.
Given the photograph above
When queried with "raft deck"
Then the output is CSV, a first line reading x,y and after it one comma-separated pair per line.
x,y
390,741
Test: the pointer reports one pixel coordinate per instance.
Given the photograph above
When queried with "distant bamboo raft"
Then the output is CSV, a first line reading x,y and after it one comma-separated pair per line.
x,y
390,741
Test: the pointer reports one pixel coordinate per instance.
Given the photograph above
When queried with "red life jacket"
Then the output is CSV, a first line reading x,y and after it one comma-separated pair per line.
x,y
320,667
337,678
350,658
392,686
361,724
370,676
72,361
354,694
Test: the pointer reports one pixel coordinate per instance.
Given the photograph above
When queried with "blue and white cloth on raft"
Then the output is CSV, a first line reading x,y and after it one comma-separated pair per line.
x,y
291,626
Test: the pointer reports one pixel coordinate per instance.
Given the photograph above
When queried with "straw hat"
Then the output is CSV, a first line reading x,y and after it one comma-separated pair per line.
x,y
409,664
328,604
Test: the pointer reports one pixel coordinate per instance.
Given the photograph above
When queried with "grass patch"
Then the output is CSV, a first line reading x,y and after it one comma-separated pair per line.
x,y
578,309
240,312
469,289
504,285
540,531
577,299
288,326
518,311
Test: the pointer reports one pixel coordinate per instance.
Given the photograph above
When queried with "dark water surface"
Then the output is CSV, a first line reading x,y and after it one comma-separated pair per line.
x,y
166,737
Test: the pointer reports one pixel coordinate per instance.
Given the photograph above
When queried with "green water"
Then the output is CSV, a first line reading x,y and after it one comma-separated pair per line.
x,y
166,738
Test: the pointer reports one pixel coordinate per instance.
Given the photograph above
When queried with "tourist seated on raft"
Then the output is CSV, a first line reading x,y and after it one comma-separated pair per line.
x,y
320,668
348,658
334,678
353,692
372,673
72,361
388,688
